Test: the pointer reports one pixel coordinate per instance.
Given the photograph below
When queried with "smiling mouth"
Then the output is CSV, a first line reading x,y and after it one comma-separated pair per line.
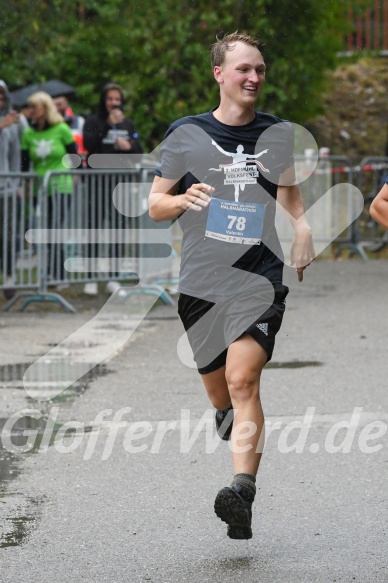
x,y
250,89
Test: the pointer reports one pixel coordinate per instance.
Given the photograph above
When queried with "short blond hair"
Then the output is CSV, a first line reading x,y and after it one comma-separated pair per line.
x,y
52,114
228,42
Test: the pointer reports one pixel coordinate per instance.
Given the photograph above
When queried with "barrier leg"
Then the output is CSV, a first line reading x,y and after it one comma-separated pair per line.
x,y
354,248
39,297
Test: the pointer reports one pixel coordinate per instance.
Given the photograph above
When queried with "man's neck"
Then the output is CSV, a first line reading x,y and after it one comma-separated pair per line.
x,y
234,115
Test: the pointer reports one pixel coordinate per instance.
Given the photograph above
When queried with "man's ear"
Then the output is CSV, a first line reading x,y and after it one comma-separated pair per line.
x,y
217,71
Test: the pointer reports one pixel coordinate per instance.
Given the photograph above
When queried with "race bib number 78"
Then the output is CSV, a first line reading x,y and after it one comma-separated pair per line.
x,y
235,222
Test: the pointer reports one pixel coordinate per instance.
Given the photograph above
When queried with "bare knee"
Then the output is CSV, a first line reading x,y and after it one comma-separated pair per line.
x,y
244,363
243,387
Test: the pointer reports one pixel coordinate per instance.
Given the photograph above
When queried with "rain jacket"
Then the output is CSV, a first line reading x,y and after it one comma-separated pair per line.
x,y
10,138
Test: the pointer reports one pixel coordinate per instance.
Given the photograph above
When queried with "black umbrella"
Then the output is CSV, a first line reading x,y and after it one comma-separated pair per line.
x,y
53,87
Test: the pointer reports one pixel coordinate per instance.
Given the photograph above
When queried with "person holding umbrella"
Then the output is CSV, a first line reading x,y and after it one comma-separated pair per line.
x,y
44,146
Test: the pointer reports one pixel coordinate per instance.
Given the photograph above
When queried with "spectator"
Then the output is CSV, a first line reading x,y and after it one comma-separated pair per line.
x,y
44,145
108,132
75,122
379,206
11,128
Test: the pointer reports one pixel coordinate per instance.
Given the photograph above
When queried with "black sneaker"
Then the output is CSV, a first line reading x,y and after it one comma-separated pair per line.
x,y
224,422
235,510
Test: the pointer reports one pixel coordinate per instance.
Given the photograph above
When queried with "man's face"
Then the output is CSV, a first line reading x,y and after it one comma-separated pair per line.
x,y
113,98
242,75
61,104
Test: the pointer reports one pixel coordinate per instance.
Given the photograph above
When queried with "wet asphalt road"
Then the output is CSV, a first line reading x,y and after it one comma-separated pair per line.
x,y
131,499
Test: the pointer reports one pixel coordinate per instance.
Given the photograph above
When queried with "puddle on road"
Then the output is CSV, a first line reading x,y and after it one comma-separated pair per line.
x,y
20,526
27,434
146,324
50,374
8,466
15,528
294,364
19,531
74,344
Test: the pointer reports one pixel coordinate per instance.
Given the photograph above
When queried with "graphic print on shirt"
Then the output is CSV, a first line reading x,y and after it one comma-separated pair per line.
x,y
238,172
234,221
113,134
43,148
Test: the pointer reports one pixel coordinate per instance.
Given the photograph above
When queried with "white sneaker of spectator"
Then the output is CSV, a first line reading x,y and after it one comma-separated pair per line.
x,y
112,286
91,288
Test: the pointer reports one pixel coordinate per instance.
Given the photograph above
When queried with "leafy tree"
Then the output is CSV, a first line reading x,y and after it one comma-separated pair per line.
x,y
159,51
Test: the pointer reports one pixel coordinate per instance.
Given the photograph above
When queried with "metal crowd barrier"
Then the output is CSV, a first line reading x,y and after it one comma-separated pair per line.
x,y
330,172
86,226
366,235
83,226
319,181
20,261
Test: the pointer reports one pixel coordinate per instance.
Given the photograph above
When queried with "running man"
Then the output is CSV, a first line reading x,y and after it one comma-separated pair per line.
x,y
232,296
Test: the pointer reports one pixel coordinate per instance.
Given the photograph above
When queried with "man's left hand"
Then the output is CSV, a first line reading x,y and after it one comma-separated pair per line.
x,y
302,250
123,144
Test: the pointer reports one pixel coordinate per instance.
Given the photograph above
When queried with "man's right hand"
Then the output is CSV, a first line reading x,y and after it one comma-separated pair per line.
x,y
9,119
164,205
115,117
197,197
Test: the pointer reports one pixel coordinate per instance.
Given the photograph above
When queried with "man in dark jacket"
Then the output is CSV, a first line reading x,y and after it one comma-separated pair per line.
x,y
108,132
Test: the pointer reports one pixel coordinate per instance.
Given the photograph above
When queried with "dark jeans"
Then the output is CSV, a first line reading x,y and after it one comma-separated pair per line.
x,y
8,234
58,217
102,214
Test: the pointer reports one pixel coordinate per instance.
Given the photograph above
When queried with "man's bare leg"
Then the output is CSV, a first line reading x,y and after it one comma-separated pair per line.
x,y
217,388
245,361
239,383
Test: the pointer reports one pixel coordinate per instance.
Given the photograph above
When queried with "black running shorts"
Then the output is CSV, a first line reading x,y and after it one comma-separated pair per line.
x,y
228,319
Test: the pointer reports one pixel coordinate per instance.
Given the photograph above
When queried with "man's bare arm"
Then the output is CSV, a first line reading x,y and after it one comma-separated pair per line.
x,y
290,198
165,205
379,207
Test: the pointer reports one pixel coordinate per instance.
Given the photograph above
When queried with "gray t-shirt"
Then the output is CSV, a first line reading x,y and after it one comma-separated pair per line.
x,y
228,241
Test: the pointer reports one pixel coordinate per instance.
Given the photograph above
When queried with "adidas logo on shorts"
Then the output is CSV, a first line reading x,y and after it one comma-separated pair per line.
x,y
263,328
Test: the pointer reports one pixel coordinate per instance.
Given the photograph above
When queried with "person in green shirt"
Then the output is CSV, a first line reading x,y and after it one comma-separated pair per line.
x,y
44,146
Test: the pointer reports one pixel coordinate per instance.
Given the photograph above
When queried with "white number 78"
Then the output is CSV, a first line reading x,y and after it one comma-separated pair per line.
x,y
232,221
240,225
